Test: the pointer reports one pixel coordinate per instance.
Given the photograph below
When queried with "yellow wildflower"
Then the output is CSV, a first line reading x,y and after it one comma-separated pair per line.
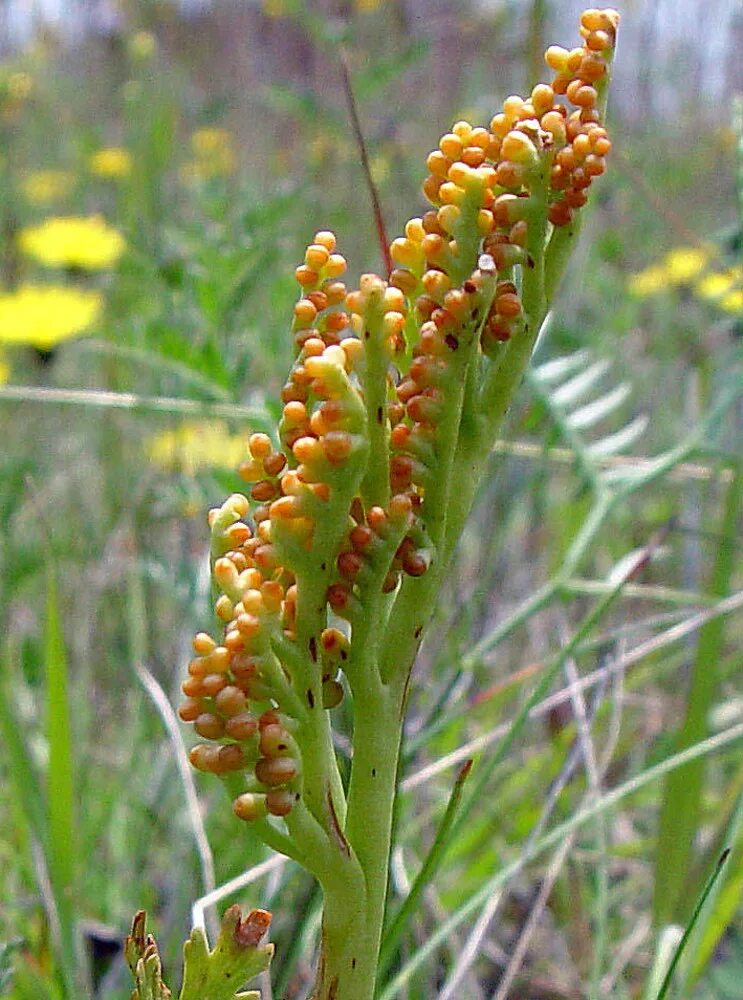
x,y
733,301
208,141
277,8
380,168
716,284
142,45
44,315
73,242
684,263
111,163
648,282
41,187
20,86
214,153
197,445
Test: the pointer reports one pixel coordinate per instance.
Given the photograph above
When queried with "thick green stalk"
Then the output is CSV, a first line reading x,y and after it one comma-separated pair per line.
x,y
352,920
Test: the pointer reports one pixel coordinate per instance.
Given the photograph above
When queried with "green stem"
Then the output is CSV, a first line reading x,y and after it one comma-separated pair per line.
x,y
353,919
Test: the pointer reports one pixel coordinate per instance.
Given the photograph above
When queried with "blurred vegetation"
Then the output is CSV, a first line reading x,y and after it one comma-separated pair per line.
x,y
140,350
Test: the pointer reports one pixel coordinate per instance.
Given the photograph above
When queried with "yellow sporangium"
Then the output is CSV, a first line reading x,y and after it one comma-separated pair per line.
x,y
45,315
68,241
112,163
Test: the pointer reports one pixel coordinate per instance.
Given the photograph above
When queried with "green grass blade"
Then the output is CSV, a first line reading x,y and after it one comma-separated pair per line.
x,y
666,984
100,399
680,814
61,857
723,902
428,870
21,775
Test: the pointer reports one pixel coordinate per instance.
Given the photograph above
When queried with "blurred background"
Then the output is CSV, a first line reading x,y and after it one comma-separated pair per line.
x,y
162,167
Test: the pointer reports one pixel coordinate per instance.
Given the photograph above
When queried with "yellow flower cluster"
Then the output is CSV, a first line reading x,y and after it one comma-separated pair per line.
x,y
213,154
691,267
45,315
87,243
723,288
112,163
195,446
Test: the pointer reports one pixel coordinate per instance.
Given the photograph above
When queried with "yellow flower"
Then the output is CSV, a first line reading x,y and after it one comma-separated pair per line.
x,y
380,168
194,446
44,315
20,85
277,8
647,282
366,6
73,242
684,263
142,45
208,141
716,284
733,301
113,162
214,153
41,187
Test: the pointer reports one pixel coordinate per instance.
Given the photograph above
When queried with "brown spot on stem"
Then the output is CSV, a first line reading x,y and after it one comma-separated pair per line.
x,y
313,649
418,631
336,827
380,414
310,698
451,341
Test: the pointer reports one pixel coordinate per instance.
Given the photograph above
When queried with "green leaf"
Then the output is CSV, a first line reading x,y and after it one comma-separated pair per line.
x,y
60,781
207,975
61,852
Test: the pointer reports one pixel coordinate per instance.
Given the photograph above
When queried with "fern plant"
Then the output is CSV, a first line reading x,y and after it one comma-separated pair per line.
x,y
328,568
